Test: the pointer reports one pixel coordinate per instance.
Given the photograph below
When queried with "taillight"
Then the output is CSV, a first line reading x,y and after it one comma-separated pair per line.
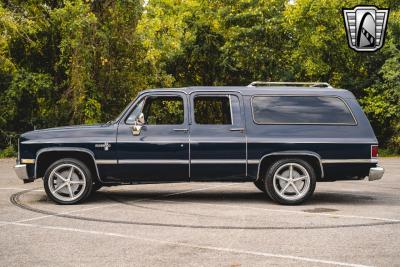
x,y
374,151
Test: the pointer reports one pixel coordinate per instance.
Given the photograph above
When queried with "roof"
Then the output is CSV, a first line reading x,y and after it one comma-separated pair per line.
x,y
267,90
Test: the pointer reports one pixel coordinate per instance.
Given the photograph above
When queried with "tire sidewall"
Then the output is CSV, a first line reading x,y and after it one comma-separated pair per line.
x,y
78,164
269,187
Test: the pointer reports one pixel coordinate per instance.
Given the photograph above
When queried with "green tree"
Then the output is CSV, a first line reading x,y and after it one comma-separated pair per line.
x,y
382,99
99,53
67,62
255,41
80,61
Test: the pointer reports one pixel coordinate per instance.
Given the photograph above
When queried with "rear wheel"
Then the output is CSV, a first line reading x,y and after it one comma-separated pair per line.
x,y
68,181
290,181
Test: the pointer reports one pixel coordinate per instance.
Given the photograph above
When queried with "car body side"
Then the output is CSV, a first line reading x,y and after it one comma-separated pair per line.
x,y
337,152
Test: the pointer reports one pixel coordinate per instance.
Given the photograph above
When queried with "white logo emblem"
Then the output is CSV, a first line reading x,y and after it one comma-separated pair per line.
x,y
106,146
365,27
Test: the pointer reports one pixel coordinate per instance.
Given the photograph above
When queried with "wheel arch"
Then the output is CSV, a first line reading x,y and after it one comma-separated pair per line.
x,y
43,160
312,157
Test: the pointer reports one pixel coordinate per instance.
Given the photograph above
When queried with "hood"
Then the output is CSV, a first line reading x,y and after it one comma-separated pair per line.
x,y
66,133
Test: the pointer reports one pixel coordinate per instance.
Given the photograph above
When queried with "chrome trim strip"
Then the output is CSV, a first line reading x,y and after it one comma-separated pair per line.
x,y
250,141
218,141
327,161
272,95
271,141
27,161
185,141
63,141
218,161
253,161
292,153
106,161
153,161
305,141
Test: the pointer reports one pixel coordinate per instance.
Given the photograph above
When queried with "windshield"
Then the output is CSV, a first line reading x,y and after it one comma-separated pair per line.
x,y
122,113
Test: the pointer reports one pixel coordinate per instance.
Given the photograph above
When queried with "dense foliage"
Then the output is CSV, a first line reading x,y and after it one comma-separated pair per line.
x,y
81,61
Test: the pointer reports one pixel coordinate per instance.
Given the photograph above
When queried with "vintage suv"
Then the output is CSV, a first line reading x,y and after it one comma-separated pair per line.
x,y
283,138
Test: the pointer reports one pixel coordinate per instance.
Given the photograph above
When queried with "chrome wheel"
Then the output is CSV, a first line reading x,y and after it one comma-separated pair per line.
x,y
67,182
291,181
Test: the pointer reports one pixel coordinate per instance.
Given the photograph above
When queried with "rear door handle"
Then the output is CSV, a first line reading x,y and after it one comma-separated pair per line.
x,y
181,130
236,129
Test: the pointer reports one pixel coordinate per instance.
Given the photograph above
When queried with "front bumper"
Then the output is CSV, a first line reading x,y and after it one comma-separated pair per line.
x,y
22,172
375,173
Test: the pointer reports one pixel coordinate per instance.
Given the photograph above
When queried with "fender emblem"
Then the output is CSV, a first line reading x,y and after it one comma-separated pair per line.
x,y
106,146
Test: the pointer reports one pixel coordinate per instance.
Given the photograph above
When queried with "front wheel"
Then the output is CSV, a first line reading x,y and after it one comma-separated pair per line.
x,y
68,181
290,181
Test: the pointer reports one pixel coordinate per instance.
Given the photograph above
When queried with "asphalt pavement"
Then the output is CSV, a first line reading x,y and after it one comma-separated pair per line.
x,y
349,223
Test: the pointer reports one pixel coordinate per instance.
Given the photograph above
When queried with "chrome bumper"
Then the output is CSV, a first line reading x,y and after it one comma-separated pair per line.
x,y
21,171
375,173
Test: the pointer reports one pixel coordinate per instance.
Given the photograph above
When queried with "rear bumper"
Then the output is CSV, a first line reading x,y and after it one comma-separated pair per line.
x,y
22,172
375,173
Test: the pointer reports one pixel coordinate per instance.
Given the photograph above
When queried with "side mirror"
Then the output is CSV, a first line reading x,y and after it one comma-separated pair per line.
x,y
137,127
140,119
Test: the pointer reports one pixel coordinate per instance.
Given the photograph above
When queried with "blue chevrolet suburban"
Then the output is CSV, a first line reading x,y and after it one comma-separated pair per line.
x,y
283,137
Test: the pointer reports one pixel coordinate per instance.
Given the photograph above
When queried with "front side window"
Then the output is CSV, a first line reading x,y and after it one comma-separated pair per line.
x,y
135,112
212,110
301,110
159,110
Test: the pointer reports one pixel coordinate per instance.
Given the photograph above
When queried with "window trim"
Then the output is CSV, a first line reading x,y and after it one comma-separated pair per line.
x,y
355,123
159,94
201,94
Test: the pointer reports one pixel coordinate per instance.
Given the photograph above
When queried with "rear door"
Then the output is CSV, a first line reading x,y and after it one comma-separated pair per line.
x,y
217,136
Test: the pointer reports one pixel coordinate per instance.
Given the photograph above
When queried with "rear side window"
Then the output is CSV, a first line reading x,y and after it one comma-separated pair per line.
x,y
212,110
301,110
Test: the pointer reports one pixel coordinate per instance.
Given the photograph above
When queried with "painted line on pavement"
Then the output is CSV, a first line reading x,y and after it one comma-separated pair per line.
x,y
205,247
19,188
104,206
287,211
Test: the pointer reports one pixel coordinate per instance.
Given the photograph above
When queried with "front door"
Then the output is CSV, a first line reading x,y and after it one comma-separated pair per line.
x,y
160,152
217,137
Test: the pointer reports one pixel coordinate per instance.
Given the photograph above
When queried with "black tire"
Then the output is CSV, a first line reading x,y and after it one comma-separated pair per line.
x,y
260,185
272,186
84,174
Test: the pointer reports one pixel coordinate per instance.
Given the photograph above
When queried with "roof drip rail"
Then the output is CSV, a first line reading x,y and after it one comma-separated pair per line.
x,y
304,84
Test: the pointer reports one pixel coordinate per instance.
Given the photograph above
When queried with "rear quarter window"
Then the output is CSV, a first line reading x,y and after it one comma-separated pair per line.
x,y
301,110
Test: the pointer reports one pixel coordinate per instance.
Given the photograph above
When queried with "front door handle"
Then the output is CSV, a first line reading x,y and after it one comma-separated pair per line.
x,y
236,129
181,130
